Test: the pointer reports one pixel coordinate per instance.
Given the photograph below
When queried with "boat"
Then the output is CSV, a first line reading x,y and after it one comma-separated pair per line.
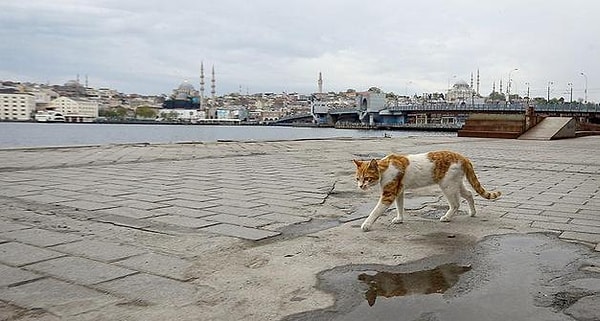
x,y
49,116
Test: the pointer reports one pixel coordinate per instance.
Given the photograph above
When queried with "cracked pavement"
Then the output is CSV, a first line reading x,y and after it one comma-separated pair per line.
x,y
239,230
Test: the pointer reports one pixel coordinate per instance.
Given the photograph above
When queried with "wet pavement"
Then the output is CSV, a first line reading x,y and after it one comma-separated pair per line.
x,y
270,231
510,277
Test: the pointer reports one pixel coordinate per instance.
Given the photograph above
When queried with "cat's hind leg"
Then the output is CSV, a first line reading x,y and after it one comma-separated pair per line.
x,y
399,208
466,194
379,209
452,194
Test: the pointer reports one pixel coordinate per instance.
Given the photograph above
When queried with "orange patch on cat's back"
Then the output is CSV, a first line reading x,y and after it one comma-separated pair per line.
x,y
442,160
399,161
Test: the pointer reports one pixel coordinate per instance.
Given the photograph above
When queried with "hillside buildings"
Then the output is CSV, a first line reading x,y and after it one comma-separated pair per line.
x,y
188,103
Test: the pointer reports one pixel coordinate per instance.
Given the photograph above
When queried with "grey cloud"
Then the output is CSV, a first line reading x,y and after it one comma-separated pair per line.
x,y
151,46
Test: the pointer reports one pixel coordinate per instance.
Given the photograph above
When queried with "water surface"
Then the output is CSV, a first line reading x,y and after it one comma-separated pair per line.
x,y
61,134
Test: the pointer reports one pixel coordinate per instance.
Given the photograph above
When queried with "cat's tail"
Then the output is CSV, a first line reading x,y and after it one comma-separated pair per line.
x,y
472,178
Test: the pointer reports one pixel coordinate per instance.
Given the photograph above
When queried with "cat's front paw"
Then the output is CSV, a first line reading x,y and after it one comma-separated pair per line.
x,y
444,219
365,227
397,220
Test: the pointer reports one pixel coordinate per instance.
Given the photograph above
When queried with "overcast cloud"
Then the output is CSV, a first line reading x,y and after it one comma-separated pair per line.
x,y
151,46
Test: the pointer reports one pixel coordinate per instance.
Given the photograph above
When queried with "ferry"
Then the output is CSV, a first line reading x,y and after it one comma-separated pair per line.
x,y
49,116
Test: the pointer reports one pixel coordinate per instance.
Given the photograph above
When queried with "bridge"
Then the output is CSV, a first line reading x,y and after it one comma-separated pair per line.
x,y
434,113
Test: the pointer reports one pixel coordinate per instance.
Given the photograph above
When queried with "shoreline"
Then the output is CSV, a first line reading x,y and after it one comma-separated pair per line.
x,y
216,122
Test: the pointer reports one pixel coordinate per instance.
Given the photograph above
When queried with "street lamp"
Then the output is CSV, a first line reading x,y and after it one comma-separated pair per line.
x,y
509,83
571,92
585,90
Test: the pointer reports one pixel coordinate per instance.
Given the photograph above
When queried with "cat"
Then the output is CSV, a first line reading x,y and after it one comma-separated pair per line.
x,y
395,173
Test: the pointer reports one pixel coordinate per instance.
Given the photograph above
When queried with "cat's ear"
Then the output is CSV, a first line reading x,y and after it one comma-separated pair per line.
x,y
373,163
357,162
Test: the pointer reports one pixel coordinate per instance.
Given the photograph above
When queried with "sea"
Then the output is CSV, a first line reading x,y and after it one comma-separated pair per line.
x,y
20,135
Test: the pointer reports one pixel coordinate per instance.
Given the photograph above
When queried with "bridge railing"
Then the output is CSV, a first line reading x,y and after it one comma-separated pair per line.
x,y
578,108
493,107
459,107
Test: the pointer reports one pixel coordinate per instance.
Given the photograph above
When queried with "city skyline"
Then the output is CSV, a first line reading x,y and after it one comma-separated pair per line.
x,y
137,47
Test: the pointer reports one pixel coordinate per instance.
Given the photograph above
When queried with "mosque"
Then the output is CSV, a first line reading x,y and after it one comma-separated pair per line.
x,y
187,97
463,93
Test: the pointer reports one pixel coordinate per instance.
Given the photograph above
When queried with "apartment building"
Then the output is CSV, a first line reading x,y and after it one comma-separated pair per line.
x,y
15,105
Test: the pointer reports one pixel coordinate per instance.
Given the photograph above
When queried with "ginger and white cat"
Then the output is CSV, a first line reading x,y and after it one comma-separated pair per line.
x,y
396,173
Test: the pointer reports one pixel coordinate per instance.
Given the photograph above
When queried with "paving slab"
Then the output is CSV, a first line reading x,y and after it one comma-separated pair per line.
x,y
153,289
79,270
99,250
60,298
183,211
242,232
128,212
12,276
8,226
18,254
183,221
164,265
87,205
239,220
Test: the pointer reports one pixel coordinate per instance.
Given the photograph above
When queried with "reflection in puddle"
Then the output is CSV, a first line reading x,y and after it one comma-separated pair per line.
x,y
388,284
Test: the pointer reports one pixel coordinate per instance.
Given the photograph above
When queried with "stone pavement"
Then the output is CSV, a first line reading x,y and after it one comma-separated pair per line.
x,y
120,230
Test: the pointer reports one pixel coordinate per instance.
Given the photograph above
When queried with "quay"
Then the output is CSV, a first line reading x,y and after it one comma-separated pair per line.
x,y
240,230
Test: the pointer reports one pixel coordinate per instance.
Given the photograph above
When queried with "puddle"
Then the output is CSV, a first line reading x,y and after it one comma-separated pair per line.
x,y
507,277
389,284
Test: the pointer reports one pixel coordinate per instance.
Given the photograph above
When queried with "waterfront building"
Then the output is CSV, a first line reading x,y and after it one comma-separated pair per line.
x,y
182,115
233,112
15,105
75,109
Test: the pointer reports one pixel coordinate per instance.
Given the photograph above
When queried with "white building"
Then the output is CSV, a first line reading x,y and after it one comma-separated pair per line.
x,y
75,109
186,115
16,106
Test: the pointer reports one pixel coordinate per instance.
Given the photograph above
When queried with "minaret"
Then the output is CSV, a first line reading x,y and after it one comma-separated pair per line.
x,y
212,83
201,85
500,85
494,87
477,81
471,81
320,82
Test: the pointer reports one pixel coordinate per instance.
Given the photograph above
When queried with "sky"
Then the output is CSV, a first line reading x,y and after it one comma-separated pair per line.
x,y
406,47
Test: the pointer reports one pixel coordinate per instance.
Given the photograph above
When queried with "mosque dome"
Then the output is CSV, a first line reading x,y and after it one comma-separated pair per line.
x,y
185,87
460,91
184,91
461,84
